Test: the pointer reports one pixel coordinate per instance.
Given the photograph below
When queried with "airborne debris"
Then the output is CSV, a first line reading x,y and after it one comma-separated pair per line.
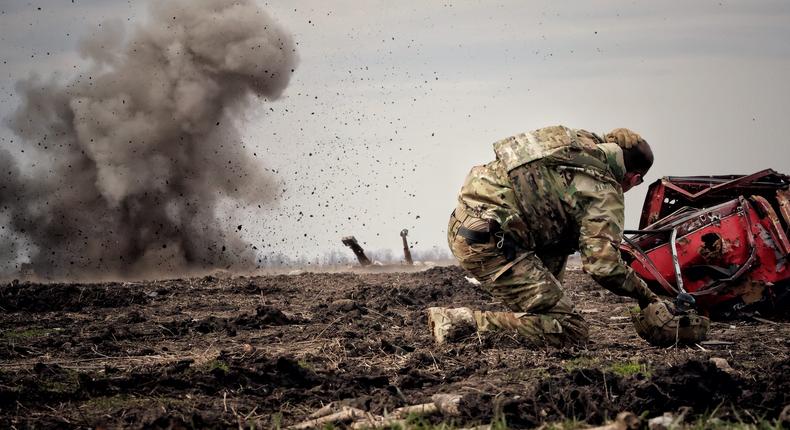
x,y
134,171
406,252
351,242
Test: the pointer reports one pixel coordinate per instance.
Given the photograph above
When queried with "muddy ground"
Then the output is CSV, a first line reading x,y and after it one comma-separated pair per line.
x,y
268,351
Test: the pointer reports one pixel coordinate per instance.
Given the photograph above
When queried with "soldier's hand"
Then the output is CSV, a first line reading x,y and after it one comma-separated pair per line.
x,y
624,138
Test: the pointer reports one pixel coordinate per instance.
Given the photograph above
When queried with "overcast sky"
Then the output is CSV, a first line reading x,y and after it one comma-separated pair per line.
x,y
393,102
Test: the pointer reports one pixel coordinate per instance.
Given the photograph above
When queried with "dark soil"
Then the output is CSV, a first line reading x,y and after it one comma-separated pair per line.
x,y
267,351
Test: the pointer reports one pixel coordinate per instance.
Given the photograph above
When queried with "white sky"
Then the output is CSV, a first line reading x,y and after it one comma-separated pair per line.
x,y
393,102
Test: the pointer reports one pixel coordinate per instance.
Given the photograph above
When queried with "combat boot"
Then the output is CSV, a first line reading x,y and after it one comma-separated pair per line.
x,y
452,323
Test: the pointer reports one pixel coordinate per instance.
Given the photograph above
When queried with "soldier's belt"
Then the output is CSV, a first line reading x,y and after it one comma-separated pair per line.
x,y
496,235
474,236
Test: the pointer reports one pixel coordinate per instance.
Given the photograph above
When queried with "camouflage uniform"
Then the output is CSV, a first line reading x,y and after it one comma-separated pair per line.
x,y
549,193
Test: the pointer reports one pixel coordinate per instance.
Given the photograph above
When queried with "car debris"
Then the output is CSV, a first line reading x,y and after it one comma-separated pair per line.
x,y
717,243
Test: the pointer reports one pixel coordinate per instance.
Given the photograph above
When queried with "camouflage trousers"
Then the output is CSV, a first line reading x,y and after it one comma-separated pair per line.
x,y
528,284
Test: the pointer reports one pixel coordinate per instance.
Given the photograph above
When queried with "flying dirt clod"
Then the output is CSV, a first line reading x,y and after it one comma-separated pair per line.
x,y
135,155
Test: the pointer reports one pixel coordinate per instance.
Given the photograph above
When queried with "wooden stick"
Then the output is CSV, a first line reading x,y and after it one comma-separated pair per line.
x,y
765,321
446,404
422,409
345,414
714,342
324,410
379,423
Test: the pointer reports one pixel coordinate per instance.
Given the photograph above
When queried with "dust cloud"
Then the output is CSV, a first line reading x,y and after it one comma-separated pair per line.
x,y
132,159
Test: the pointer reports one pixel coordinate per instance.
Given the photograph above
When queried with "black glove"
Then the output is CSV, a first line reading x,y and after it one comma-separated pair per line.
x,y
684,302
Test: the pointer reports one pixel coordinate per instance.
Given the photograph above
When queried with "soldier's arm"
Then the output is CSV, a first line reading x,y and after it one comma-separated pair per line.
x,y
600,213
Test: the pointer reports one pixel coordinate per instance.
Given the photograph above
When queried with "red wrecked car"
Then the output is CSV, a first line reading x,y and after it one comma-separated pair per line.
x,y
717,243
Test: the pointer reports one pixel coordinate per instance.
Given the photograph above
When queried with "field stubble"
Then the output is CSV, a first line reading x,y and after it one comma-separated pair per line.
x,y
268,351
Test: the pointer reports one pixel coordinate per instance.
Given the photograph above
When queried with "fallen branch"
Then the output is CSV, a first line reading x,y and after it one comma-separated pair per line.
x,y
422,409
346,414
445,404
714,342
377,423
324,410
765,321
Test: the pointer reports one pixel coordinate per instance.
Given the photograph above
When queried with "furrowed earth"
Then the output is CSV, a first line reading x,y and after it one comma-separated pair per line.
x,y
267,351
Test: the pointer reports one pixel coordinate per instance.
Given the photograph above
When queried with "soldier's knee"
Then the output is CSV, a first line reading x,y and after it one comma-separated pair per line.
x,y
528,287
535,298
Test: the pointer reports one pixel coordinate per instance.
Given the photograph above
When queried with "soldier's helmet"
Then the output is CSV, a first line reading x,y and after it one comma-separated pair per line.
x,y
658,325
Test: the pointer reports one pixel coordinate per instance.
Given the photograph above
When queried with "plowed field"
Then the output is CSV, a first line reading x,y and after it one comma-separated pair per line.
x,y
268,351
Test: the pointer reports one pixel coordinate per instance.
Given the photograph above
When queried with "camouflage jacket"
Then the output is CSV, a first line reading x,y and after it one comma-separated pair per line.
x,y
557,190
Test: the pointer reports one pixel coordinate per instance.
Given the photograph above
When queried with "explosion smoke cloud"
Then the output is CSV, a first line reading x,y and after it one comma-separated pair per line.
x,y
141,150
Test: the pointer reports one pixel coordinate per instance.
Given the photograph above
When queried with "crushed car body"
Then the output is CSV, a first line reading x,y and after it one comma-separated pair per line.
x,y
721,241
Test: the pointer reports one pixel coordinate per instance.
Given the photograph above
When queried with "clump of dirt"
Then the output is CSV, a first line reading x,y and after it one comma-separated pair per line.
x,y
771,392
268,315
582,394
30,297
694,384
264,316
253,287
593,396
460,331
441,285
261,375
133,317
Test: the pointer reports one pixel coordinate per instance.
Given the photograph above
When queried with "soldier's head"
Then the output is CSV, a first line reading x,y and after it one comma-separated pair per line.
x,y
637,155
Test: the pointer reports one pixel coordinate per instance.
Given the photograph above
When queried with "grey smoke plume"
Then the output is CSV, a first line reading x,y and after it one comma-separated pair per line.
x,y
139,151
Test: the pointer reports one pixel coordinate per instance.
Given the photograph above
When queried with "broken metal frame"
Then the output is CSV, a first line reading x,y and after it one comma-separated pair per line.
x,y
720,241
754,184
645,260
673,248
678,288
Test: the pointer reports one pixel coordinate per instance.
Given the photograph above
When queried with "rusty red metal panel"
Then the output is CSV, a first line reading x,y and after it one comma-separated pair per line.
x,y
776,232
682,185
783,198
732,251
653,202
672,192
